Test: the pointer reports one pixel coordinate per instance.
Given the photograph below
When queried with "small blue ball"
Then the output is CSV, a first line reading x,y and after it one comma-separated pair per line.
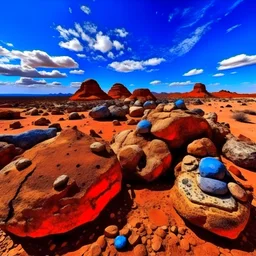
x,y
144,126
120,242
180,104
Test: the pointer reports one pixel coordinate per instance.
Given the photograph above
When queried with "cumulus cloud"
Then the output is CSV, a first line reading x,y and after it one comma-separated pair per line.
x,y
194,72
9,44
99,58
75,84
237,61
118,45
80,55
155,82
3,51
234,27
121,32
187,44
66,33
4,60
111,55
218,75
77,72
17,70
103,43
72,45
86,9
132,65
29,81
90,27
83,35
180,83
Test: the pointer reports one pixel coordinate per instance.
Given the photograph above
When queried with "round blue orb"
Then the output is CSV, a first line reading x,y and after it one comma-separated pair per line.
x,y
144,126
180,104
211,167
120,242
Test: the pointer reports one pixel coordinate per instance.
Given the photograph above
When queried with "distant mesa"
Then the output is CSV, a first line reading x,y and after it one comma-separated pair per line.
x,y
200,91
119,91
90,90
142,94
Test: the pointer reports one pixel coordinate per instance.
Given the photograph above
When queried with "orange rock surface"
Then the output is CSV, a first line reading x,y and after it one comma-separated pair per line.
x,y
142,94
119,91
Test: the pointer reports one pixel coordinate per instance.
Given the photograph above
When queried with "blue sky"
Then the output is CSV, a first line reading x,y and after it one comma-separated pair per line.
x,y
51,46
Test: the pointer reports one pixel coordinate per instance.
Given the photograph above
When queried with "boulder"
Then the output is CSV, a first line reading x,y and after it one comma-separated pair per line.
x,y
240,152
221,215
149,104
99,112
7,153
42,122
57,126
15,125
90,90
138,103
117,112
141,158
74,116
9,115
202,147
30,138
143,126
142,94
119,91
197,111
33,112
136,111
39,201
180,104
212,186
178,128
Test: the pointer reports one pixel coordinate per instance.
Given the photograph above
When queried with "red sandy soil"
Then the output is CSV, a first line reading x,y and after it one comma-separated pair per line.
x,y
146,203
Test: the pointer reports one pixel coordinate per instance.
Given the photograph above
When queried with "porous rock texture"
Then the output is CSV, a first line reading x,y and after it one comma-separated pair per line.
x,y
32,207
119,91
147,165
178,128
90,90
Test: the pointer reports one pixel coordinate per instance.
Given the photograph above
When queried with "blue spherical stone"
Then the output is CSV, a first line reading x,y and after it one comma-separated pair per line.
x,y
210,167
149,104
99,112
120,242
144,126
212,186
180,104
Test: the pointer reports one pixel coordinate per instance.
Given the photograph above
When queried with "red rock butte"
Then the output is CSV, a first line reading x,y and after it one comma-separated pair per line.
x,y
119,91
90,90
142,94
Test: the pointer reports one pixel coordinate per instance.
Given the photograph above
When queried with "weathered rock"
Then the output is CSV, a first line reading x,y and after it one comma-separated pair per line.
x,y
9,115
149,105
155,160
202,147
74,116
7,153
132,122
237,192
42,122
168,108
15,125
97,147
111,231
61,182
134,239
33,112
30,138
142,94
180,104
221,215
140,250
212,116
57,126
189,163
33,208
22,164
116,123
90,90
117,112
156,243
136,111
100,112
178,128
240,153
138,103
212,186
119,91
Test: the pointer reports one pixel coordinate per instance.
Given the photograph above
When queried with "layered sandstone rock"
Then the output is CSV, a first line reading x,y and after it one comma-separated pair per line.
x,y
119,91
90,90
142,95
65,186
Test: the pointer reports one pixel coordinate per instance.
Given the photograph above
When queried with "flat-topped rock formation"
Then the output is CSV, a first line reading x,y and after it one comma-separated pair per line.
x,y
142,94
90,90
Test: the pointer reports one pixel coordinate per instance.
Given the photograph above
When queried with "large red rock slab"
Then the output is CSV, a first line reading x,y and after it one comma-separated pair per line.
x,y
90,90
9,115
119,91
30,206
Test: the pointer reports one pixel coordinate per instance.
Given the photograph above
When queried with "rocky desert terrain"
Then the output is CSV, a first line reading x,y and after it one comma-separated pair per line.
x,y
128,174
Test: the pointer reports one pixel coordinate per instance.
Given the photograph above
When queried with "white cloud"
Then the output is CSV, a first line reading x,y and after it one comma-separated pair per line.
x,y
187,44
111,55
118,45
80,55
194,72
85,9
233,73
70,10
29,81
9,44
233,6
103,43
99,58
90,27
152,70
4,60
237,61
155,82
84,36
234,27
77,72
180,83
132,65
4,51
121,32
214,84
66,33
218,75
73,45
17,70
75,84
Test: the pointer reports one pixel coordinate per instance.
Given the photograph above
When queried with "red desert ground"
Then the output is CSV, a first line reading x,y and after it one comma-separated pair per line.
x,y
129,174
